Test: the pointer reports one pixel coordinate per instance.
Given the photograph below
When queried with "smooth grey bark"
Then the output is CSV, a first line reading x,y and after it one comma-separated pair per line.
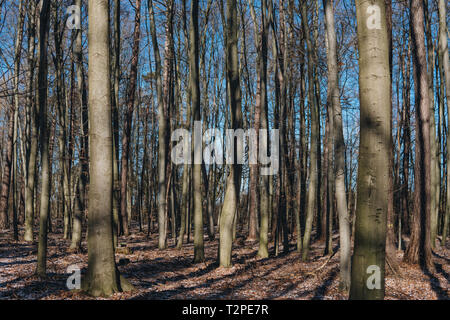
x,y
339,148
102,277
373,162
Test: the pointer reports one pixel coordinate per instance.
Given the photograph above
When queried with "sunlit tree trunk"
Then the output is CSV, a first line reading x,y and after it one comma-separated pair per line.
x,y
264,204
339,148
373,163
102,276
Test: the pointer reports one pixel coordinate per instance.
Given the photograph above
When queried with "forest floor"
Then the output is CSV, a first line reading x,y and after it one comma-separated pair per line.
x,y
170,274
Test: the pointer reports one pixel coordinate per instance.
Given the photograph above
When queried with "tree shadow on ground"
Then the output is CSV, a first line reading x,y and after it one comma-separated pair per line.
x,y
219,292
436,284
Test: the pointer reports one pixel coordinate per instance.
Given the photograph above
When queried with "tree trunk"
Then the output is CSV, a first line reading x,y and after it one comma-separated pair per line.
x,y
339,149
44,137
313,172
84,141
102,277
199,255
231,200
373,164
115,123
391,259
435,176
444,57
128,118
32,130
419,248
264,204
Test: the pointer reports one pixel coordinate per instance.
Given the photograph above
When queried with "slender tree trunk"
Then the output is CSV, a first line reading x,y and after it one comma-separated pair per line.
x,y
263,142
84,141
254,174
32,130
419,248
199,255
231,200
264,204
313,172
128,118
44,137
339,149
435,179
62,112
391,259
163,116
115,124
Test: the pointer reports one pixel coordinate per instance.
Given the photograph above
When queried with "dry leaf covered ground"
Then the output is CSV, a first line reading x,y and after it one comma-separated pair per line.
x,y
170,274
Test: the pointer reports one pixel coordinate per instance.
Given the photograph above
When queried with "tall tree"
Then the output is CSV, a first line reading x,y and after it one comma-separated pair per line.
x,y
373,163
419,248
434,169
263,251
339,175
102,277
32,129
84,141
254,174
231,200
128,117
391,259
44,136
58,62
199,255
313,173
115,122
163,114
